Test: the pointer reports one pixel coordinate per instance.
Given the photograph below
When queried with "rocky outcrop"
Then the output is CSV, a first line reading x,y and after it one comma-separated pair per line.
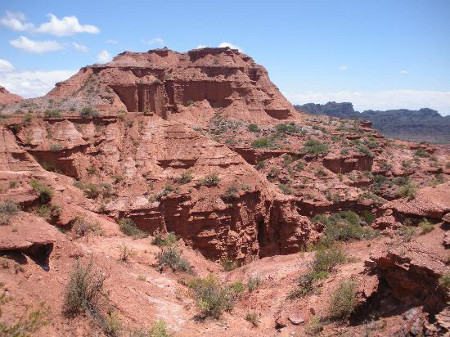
x,y
7,98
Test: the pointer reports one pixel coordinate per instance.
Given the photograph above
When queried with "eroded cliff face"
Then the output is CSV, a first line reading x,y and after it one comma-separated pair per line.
x,y
6,97
163,82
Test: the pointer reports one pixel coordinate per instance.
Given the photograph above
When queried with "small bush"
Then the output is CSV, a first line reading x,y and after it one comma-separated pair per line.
x,y
189,103
408,190
254,283
112,324
343,300
212,297
125,253
252,318
230,195
52,114
88,113
128,227
285,189
185,178
315,148
82,227
314,326
162,240
426,226
91,191
28,324
159,329
209,180
56,147
444,280
407,232
229,265
326,259
287,128
83,290
253,128
171,256
8,209
263,143
45,192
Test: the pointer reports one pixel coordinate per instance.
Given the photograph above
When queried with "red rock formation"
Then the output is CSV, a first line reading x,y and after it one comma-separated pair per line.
x,y
6,97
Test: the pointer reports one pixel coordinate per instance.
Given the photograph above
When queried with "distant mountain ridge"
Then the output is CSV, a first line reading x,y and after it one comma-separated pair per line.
x,y
417,125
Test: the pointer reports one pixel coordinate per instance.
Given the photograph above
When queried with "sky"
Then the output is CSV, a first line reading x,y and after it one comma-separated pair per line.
x,y
384,54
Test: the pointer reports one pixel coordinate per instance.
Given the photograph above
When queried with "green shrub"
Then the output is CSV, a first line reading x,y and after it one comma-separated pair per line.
x,y
209,180
112,324
314,326
315,148
83,290
88,113
408,190
45,192
288,128
343,226
421,153
28,324
171,256
52,114
343,300
407,232
229,265
185,178
253,128
260,165
426,226
444,280
253,283
82,227
128,227
263,143
8,209
211,296
91,191
230,195
252,318
285,189
164,240
368,216
56,147
189,103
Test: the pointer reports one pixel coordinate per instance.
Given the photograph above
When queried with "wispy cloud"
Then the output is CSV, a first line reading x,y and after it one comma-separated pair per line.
x,y
5,66
66,26
403,72
343,68
33,46
380,100
80,47
155,41
31,83
104,56
111,41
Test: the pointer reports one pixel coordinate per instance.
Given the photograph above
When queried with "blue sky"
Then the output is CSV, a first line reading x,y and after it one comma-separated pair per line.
x,y
378,54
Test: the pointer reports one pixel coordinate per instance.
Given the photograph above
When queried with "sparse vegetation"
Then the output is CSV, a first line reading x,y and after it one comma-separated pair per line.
x,y
444,280
315,148
230,195
229,265
128,227
343,300
88,113
185,178
82,227
45,192
253,128
426,226
314,326
408,190
254,283
263,143
52,113
83,290
211,296
125,253
28,324
8,209
164,240
252,318
285,189
407,232
209,180
171,256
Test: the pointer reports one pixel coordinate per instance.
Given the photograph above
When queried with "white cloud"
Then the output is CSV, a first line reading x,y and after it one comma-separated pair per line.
x,y
33,46
68,25
33,83
5,66
381,100
111,41
104,56
230,45
16,22
343,68
201,46
80,47
403,72
157,41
